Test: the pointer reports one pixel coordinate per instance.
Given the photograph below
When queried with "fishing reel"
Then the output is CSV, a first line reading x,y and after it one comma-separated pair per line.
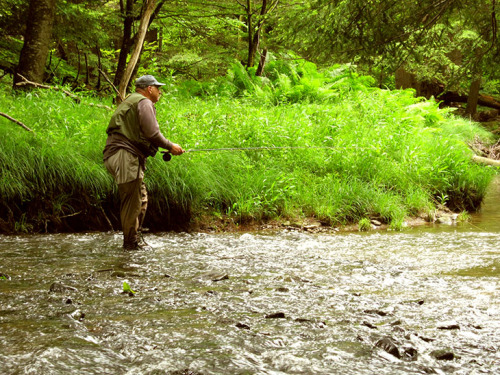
x,y
167,156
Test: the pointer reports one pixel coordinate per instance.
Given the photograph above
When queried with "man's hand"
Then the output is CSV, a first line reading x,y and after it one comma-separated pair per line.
x,y
176,149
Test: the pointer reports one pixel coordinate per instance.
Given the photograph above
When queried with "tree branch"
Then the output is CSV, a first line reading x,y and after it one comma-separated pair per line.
x,y
26,82
16,121
111,84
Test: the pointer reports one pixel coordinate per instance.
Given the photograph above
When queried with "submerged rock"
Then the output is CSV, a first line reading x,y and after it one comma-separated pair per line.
x,y
278,315
448,325
375,312
369,325
410,353
220,277
388,345
242,326
58,287
443,354
184,372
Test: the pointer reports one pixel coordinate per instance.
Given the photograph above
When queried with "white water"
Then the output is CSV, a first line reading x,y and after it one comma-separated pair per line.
x,y
201,302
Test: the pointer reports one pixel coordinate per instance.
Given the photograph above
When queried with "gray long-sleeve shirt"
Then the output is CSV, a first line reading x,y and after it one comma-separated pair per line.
x,y
149,125
149,128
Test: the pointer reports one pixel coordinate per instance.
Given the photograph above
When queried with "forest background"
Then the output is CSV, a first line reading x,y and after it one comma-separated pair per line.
x,y
323,75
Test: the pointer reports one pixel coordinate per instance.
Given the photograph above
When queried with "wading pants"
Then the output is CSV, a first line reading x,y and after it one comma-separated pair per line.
x,y
129,176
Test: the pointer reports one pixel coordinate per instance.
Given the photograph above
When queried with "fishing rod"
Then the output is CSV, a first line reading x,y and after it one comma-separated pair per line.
x,y
167,156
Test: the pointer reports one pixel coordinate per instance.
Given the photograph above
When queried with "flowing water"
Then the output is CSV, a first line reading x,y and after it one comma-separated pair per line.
x,y
255,303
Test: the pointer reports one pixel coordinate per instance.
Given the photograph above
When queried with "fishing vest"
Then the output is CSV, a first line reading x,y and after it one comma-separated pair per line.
x,y
125,121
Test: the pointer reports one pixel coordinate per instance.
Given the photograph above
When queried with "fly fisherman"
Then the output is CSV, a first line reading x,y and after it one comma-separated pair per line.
x,y
133,135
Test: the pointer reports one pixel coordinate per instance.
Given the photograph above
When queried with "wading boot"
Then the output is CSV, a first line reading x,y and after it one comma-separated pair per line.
x,y
143,244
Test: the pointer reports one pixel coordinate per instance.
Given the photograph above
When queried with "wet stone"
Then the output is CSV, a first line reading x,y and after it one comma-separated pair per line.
x,y
278,315
448,325
184,372
283,289
369,325
58,287
242,326
410,353
220,278
443,355
375,312
388,345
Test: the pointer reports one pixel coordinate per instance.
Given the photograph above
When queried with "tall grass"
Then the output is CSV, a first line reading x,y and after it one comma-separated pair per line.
x,y
390,155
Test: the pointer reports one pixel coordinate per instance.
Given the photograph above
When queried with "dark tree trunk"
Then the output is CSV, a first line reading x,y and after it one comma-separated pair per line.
x,y
148,10
473,98
255,30
128,39
262,63
36,41
99,67
128,21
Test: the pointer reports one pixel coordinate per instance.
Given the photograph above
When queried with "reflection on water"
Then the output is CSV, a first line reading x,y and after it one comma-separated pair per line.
x,y
260,303
488,218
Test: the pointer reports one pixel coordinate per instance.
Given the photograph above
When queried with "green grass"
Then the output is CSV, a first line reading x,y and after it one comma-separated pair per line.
x,y
391,156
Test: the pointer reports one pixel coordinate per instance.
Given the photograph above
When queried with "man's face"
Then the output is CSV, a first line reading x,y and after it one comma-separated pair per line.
x,y
154,93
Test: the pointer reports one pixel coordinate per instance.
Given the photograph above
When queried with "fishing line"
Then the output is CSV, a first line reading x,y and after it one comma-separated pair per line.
x,y
167,156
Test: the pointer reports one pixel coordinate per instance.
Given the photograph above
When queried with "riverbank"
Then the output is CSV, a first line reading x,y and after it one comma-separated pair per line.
x,y
350,155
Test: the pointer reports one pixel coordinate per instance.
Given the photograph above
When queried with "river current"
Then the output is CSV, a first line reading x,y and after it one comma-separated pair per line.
x,y
424,300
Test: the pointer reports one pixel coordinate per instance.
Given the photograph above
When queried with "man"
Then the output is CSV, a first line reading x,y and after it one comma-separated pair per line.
x,y
133,135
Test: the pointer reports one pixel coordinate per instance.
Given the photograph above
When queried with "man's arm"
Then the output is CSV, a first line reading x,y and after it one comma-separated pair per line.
x,y
149,125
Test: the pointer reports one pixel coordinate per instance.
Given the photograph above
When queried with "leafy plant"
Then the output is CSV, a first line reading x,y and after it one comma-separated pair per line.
x,y
364,225
127,289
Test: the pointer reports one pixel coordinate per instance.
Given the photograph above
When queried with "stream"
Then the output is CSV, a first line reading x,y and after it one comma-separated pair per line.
x,y
422,301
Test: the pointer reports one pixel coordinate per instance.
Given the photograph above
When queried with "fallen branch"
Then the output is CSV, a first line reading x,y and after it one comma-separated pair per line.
x,y
487,161
70,215
111,84
26,82
484,100
16,121
107,219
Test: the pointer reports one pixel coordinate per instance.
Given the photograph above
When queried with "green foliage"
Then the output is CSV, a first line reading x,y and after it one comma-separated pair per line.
x,y
364,225
463,217
285,82
388,155
450,42
127,289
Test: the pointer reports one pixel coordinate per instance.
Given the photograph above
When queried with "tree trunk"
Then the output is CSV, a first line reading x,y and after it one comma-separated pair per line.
x,y
36,41
254,31
143,27
473,98
250,34
128,22
262,63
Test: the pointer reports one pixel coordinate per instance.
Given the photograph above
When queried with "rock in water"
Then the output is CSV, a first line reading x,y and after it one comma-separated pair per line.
x,y
443,355
386,344
58,287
